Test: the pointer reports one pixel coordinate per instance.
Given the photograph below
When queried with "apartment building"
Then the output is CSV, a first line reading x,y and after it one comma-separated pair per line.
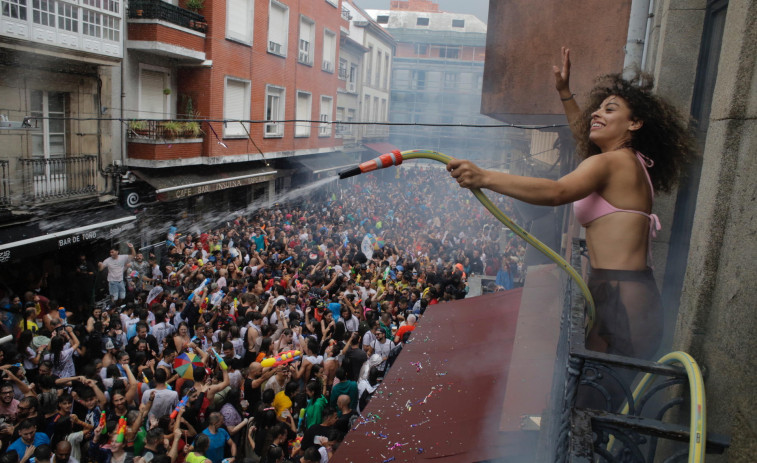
x,y
212,96
437,75
58,62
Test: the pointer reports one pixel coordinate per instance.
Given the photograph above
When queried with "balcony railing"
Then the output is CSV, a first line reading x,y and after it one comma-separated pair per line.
x,y
58,178
157,9
346,14
572,433
5,186
162,130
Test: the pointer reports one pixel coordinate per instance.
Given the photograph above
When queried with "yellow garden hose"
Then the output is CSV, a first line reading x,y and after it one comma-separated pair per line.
x,y
395,158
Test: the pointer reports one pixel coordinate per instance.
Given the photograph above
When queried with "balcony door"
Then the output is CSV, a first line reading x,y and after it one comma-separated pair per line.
x,y
48,145
154,103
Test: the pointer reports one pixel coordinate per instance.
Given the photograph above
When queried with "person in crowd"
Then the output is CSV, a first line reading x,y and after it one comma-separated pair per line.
x,y
116,264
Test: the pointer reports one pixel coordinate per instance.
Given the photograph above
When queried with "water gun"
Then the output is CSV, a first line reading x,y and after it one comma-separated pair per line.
x,y
102,423
236,304
121,430
62,314
182,403
204,305
302,418
281,359
296,443
219,359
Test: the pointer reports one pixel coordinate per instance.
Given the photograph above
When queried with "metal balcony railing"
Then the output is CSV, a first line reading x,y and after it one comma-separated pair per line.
x,y
161,130
157,9
572,433
58,178
5,186
346,14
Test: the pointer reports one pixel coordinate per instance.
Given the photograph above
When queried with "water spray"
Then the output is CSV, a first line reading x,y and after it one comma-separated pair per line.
x,y
396,157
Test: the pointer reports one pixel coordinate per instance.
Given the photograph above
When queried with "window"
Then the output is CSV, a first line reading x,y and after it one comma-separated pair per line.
x,y
341,129
367,109
274,111
418,80
325,128
111,28
153,102
329,50
382,19
352,78
278,28
376,109
421,21
68,17
91,23
50,107
449,52
378,68
236,106
421,49
458,23
368,65
383,115
304,113
450,80
343,69
239,20
15,9
386,71
43,12
307,39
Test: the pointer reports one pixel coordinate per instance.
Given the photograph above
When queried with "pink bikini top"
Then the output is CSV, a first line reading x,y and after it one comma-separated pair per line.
x,y
595,206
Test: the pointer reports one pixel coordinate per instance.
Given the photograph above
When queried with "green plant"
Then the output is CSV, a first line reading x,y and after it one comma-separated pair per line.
x,y
166,91
138,125
171,129
195,5
192,129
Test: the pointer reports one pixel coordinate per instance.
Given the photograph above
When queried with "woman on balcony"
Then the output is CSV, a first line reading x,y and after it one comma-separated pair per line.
x,y
633,144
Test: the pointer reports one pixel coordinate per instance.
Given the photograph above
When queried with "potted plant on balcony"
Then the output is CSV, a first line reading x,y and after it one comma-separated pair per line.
x,y
139,127
195,5
192,129
171,129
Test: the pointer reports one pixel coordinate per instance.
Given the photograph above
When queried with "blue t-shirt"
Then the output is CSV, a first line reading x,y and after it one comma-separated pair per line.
x,y
217,443
20,448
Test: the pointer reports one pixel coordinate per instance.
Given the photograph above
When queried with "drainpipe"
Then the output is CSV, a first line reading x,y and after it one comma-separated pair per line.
x,y
650,18
635,43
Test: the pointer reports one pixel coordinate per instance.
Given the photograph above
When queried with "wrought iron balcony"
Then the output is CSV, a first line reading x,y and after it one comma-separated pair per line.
x,y
346,14
602,433
157,9
58,177
5,187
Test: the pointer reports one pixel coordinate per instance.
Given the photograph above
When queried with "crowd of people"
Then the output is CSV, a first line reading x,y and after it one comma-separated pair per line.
x,y
260,339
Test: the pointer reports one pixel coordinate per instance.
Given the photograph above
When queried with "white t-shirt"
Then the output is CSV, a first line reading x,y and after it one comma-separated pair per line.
x,y
116,267
65,368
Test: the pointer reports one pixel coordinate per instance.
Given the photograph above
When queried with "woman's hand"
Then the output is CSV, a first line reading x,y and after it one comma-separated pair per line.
x,y
467,174
562,76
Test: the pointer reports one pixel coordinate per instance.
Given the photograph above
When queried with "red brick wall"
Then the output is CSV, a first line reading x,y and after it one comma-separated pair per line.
x,y
161,33
427,6
261,68
155,152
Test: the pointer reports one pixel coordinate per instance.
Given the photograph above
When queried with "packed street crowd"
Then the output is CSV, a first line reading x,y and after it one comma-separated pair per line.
x,y
260,339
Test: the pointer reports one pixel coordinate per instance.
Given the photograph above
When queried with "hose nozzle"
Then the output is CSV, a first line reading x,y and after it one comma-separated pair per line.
x,y
385,160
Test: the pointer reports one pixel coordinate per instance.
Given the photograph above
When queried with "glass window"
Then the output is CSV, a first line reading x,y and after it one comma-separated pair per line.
x,y
15,9
307,40
274,111
458,23
239,20
236,106
329,50
421,21
382,19
68,16
326,108
304,111
278,28
43,12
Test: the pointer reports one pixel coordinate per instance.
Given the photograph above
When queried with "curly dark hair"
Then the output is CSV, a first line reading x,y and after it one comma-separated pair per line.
x,y
665,137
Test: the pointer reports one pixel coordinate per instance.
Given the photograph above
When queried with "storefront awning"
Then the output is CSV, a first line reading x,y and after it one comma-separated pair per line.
x,y
443,398
172,184
381,147
321,163
53,234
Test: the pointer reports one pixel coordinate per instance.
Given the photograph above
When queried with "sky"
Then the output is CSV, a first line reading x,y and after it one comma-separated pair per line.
x,y
479,8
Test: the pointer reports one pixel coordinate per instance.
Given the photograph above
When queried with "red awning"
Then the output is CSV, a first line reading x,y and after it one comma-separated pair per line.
x,y
443,399
381,147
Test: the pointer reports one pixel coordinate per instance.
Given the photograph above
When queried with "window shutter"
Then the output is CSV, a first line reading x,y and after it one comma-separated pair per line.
x,y
234,106
151,97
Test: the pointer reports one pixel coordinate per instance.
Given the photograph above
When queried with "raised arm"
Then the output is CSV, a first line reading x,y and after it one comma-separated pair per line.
x,y
562,84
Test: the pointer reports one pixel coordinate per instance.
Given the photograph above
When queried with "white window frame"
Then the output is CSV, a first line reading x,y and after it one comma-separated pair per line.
x,y
167,101
245,38
303,129
328,63
305,53
324,130
274,129
237,129
273,46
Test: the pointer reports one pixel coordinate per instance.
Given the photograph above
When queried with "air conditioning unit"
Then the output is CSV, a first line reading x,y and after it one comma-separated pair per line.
x,y
304,57
351,87
272,128
274,47
328,66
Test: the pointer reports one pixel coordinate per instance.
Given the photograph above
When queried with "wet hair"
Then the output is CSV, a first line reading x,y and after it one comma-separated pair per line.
x,y
201,444
664,137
